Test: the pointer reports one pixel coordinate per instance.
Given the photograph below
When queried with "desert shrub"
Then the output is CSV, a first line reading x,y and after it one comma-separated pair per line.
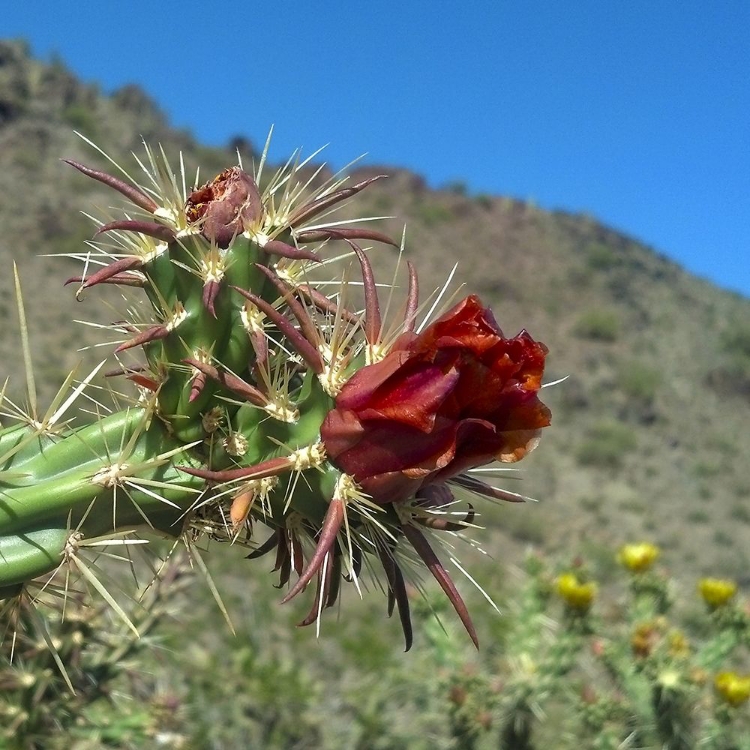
x,y
736,340
699,516
706,469
639,381
598,325
600,257
433,213
606,445
81,118
457,187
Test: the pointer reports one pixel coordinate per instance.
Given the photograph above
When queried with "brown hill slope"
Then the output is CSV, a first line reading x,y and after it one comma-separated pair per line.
x,y
650,427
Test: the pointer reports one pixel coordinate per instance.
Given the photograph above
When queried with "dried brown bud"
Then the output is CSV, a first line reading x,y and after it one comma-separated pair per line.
x,y
225,206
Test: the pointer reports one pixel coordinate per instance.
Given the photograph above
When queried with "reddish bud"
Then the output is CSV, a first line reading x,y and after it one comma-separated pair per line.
x,y
455,396
225,206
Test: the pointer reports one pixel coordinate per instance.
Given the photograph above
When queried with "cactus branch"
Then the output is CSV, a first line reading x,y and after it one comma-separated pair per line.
x,y
261,397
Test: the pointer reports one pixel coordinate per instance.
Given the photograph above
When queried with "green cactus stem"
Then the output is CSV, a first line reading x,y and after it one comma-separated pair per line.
x,y
261,399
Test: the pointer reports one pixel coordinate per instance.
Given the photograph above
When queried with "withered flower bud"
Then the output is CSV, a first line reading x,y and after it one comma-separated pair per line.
x,y
225,206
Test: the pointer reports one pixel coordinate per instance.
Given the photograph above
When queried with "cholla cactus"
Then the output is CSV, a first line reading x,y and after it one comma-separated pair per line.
x,y
264,400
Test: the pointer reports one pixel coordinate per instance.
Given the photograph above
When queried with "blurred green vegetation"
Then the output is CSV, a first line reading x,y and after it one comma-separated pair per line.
x,y
594,652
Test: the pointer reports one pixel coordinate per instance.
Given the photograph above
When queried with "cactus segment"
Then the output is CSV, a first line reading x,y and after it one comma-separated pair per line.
x,y
263,402
29,555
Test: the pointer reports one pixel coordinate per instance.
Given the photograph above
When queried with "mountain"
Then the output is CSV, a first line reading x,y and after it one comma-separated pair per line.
x,y
650,424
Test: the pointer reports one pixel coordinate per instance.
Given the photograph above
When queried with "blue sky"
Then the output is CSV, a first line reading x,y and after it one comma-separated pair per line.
x,y
637,113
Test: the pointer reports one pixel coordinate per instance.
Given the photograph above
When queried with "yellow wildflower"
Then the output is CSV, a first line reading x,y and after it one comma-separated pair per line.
x,y
733,688
574,593
716,591
638,557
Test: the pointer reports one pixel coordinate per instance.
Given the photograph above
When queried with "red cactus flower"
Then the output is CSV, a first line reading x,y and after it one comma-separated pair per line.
x,y
456,396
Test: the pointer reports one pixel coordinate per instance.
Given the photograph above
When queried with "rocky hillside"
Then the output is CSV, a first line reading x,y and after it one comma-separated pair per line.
x,y
650,426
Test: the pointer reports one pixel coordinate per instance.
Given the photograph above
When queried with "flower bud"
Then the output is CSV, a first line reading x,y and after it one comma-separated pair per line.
x,y
225,206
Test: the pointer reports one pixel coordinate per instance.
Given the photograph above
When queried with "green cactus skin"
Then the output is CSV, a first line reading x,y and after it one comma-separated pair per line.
x,y
241,359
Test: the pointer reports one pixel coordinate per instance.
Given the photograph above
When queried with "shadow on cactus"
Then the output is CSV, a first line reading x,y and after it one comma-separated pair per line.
x,y
268,410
